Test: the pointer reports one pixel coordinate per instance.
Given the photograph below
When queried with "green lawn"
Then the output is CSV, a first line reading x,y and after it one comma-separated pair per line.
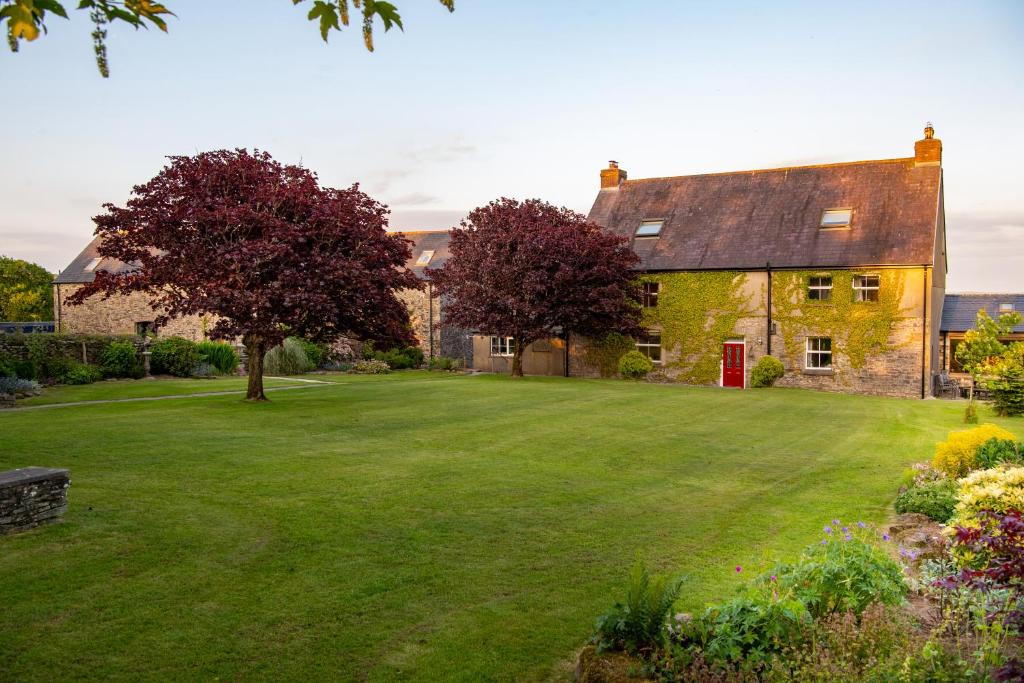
x,y
417,526
144,388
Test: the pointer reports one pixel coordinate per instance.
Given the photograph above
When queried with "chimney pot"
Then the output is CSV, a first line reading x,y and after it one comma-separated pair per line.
x,y
928,151
612,176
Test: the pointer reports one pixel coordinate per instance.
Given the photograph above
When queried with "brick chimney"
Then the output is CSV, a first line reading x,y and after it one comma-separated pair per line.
x,y
928,152
612,176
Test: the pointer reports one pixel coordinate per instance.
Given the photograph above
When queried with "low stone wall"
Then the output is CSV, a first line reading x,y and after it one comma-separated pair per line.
x,y
84,348
31,496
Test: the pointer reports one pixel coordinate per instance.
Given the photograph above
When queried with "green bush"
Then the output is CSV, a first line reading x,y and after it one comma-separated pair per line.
x,y
444,363
23,369
847,570
120,359
766,372
640,623
220,355
287,359
997,451
80,373
316,353
635,365
204,370
399,359
936,500
173,356
7,367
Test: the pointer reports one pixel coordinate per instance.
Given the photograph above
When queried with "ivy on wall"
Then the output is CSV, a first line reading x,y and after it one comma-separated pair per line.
x,y
857,329
605,353
696,313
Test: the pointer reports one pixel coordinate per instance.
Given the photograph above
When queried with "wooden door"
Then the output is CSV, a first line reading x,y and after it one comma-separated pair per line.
x,y
732,364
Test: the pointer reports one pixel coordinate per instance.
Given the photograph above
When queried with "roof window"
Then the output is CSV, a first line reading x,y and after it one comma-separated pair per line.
x,y
649,229
425,257
836,218
1006,308
91,266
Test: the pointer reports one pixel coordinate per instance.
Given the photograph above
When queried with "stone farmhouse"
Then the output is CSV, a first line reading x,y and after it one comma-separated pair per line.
x,y
837,269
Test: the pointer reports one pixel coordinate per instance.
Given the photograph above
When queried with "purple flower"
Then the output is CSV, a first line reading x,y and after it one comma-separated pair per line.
x,y
774,579
846,529
828,530
738,569
862,525
824,542
836,522
847,537
885,537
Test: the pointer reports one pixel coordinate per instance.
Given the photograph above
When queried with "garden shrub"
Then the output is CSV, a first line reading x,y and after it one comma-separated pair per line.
x,y
370,367
204,370
80,373
750,629
221,355
998,451
7,367
173,356
400,359
316,353
120,359
1007,387
634,365
935,500
288,358
19,388
956,456
846,570
444,363
998,489
767,371
640,622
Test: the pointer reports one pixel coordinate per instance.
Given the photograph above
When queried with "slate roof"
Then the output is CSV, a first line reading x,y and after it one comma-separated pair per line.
x,y
76,272
745,219
959,311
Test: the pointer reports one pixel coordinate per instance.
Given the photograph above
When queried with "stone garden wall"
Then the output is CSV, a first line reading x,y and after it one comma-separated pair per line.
x,y
31,496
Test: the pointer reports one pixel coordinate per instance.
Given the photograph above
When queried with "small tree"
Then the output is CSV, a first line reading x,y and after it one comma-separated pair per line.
x,y
262,248
529,270
25,291
981,350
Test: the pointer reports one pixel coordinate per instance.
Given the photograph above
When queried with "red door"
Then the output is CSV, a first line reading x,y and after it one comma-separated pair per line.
x,y
732,364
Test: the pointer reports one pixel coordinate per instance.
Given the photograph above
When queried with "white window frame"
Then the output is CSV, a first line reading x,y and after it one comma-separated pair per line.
x,y
1006,307
819,352
848,210
503,347
860,289
646,229
645,347
425,257
648,297
91,266
820,289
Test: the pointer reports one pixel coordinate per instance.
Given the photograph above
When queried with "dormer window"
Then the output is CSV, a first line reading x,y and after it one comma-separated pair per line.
x,y
649,229
1006,308
836,218
425,257
92,264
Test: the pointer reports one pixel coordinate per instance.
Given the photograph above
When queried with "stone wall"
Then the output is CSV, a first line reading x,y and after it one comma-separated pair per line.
x,y
117,315
425,317
84,348
31,496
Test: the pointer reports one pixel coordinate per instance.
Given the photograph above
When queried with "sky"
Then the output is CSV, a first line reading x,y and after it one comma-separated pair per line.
x,y
524,99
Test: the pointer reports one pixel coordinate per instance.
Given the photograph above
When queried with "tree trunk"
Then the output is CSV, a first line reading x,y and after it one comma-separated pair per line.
x,y
517,359
255,347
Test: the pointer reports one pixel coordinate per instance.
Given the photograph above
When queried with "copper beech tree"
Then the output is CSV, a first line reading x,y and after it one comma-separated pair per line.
x,y
262,249
530,271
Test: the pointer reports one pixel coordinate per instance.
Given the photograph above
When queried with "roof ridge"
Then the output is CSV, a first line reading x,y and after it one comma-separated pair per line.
x,y
420,232
772,170
984,293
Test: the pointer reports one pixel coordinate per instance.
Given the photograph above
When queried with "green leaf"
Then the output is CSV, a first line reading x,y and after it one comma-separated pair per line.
x,y
52,6
328,16
388,14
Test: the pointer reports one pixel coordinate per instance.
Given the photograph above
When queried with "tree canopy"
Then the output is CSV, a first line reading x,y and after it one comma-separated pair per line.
x,y
260,247
26,19
25,291
530,270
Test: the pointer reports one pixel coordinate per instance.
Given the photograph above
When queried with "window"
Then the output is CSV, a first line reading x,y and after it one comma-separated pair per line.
x,y
92,264
865,287
649,229
836,218
502,346
1006,308
819,353
954,364
650,298
144,327
425,257
650,345
819,288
